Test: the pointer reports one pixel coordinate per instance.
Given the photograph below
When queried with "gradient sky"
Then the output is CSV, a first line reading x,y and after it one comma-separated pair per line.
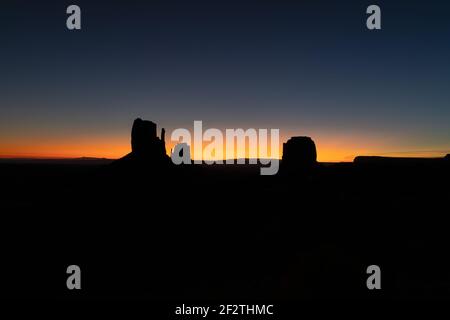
x,y
306,67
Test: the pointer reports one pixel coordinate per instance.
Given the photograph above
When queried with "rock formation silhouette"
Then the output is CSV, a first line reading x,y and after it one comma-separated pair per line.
x,y
299,153
397,161
146,147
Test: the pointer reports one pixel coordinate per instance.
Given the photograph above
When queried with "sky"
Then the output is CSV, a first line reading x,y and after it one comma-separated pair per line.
x,y
309,68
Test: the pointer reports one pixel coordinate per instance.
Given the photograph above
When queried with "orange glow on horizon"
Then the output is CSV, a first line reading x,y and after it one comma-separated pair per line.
x,y
340,149
96,148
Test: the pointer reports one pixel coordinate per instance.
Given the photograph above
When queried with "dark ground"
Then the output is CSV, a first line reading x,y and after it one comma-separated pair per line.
x,y
222,232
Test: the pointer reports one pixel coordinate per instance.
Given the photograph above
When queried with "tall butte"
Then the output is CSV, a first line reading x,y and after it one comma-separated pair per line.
x,y
299,155
146,147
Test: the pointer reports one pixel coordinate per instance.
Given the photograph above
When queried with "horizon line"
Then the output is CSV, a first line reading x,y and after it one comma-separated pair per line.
x,y
88,158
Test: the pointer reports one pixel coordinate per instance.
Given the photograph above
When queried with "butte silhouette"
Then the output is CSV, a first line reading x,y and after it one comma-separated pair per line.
x,y
146,148
299,155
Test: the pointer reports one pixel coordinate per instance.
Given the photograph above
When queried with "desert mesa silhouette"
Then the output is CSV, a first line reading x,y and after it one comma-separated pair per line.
x,y
147,149
299,152
144,227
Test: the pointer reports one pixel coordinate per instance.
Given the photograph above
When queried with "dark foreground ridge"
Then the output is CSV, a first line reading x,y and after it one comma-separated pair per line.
x,y
225,232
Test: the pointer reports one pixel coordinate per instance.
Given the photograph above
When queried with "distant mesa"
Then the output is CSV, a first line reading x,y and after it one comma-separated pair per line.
x,y
299,152
146,147
398,161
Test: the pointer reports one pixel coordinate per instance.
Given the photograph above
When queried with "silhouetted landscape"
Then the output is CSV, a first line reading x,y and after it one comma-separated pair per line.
x,y
141,227
329,122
